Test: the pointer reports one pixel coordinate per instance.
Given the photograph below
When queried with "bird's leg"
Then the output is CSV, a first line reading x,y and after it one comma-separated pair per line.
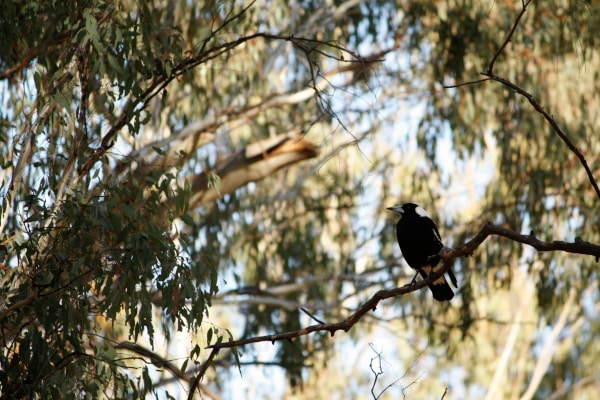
x,y
414,279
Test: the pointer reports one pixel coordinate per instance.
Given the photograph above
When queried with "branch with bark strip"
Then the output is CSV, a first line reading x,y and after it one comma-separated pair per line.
x,y
354,62
447,255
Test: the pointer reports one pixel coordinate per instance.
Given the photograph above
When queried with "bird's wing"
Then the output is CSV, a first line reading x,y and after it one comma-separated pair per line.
x,y
436,233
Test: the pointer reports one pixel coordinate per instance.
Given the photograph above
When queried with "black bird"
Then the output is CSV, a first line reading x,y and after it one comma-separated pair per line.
x,y
419,239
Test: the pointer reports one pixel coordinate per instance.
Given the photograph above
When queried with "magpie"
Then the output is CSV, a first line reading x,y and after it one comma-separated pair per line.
x,y
419,239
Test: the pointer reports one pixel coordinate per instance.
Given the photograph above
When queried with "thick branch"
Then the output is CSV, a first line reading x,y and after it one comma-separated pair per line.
x,y
199,133
162,81
447,255
577,247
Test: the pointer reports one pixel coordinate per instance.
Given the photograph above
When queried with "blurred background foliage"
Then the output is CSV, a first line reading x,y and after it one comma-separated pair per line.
x,y
115,273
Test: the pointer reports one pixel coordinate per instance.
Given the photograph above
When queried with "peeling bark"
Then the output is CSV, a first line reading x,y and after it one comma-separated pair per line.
x,y
253,163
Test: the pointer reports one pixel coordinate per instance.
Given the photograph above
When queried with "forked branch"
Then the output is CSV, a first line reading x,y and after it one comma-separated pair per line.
x,y
491,75
577,247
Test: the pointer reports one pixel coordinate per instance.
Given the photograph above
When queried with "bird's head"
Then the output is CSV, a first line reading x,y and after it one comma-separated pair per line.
x,y
409,209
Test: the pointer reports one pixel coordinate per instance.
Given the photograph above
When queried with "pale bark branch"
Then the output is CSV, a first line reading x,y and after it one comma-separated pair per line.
x,y
253,163
199,133
353,63
545,357
499,379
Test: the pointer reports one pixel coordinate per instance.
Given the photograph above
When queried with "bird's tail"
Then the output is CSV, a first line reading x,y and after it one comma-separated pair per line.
x,y
442,292
440,288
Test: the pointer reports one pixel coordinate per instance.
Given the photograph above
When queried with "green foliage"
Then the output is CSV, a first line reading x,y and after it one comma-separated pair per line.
x,y
106,255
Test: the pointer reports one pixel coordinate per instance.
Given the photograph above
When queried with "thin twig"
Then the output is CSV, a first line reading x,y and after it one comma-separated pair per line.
x,y
155,359
509,37
445,393
489,73
305,311
475,82
378,373
196,383
555,127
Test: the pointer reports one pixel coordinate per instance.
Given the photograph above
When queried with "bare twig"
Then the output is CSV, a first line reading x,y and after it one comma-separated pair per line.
x,y
489,73
305,311
468,83
377,373
555,127
509,37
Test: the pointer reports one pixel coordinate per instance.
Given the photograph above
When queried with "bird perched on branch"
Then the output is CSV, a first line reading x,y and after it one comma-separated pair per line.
x,y
420,243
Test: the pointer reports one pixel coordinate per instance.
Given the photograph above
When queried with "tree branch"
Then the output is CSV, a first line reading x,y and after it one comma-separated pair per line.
x,y
500,374
252,163
577,247
509,37
199,133
545,357
447,255
196,382
491,75
162,81
555,127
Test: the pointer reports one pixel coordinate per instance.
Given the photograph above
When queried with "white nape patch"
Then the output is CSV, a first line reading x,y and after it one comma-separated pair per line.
x,y
421,211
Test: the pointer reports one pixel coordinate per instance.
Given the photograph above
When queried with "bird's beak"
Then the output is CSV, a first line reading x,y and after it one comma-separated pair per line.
x,y
397,209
